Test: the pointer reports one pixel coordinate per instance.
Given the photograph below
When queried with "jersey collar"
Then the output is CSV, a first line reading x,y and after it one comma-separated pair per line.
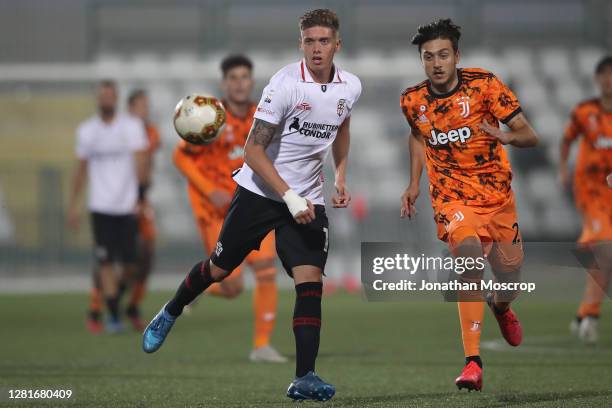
x,y
306,77
449,93
249,114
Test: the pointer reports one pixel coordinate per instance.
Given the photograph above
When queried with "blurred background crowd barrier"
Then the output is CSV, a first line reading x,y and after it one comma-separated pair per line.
x,y
53,52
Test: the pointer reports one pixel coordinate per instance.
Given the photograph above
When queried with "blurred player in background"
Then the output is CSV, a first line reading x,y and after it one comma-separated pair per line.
x,y
208,170
454,117
591,121
304,113
138,105
111,152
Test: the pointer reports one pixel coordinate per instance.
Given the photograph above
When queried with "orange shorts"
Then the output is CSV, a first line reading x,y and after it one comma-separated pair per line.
x,y
146,223
497,229
596,212
596,226
209,232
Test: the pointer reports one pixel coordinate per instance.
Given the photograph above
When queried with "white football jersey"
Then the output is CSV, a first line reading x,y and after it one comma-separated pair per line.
x,y
109,150
309,115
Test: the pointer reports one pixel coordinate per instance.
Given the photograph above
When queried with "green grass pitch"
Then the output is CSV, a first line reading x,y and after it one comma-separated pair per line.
x,y
376,354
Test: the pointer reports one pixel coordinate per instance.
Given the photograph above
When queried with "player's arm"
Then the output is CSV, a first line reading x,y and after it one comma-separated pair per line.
x,y
255,157
138,144
416,147
184,161
340,150
79,180
143,173
572,131
148,164
564,174
505,107
521,133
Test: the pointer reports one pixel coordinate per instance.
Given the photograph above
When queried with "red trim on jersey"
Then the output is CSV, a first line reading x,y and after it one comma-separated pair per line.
x,y
302,68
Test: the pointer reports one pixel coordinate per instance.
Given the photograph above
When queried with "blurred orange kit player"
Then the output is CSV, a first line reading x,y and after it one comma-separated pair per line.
x,y
454,117
138,104
591,121
208,170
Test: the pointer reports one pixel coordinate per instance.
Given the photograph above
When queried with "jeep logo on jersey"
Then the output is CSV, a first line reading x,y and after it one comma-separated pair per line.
x,y
603,142
455,135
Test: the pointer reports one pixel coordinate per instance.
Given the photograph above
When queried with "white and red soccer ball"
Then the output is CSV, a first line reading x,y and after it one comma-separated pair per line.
x,y
199,119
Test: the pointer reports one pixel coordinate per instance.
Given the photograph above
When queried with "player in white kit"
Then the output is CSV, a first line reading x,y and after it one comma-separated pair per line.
x,y
111,152
304,111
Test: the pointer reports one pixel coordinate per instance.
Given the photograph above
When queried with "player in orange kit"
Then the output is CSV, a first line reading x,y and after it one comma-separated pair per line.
x,y
138,105
209,172
454,117
591,120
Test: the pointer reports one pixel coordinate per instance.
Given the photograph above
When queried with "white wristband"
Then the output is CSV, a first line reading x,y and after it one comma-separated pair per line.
x,y
295,203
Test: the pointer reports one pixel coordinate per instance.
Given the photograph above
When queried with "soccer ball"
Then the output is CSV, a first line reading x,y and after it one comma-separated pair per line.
x,y
199,119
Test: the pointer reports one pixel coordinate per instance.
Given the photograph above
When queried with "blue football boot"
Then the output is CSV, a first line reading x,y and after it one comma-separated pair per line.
x,y
310,387
156,332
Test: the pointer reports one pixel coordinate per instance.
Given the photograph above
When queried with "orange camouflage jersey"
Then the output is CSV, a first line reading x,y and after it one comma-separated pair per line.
x,y
593,125
210,167
464,163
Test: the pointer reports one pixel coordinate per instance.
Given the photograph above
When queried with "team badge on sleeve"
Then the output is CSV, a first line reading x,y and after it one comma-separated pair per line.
x,y
341,104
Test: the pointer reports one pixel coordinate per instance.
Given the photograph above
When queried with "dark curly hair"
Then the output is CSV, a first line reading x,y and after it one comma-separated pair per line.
x,y
135,95
320,17
233,61
443,28
604,63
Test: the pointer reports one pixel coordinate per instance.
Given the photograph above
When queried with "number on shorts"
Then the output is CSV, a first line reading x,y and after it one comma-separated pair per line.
x,y
516,239
326,231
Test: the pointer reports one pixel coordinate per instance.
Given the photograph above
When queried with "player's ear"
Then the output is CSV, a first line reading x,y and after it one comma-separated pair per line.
x,y
300,47
457,56
338,42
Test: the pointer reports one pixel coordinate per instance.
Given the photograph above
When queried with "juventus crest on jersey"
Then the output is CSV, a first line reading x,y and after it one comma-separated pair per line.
x,y
309,115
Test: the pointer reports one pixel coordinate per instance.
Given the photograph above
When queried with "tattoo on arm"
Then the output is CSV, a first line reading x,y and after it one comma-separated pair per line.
x,y
262,132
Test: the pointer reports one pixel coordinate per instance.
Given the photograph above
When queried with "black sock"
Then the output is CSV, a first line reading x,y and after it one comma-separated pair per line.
x,y
499,311
475,359
307,325
196,282
112,303
132,311
94,315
